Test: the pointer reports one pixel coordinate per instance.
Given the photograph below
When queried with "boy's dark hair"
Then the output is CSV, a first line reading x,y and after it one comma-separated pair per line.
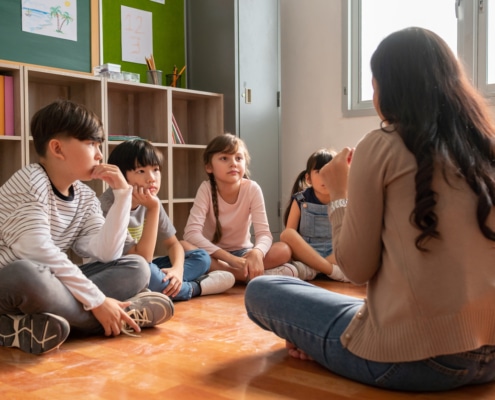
x,y
135,153
64,118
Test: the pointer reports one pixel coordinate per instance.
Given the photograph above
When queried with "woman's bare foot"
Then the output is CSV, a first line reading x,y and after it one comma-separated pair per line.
x,y
296,353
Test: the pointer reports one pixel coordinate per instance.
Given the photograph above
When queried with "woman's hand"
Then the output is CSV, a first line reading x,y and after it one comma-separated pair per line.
x,y
335,174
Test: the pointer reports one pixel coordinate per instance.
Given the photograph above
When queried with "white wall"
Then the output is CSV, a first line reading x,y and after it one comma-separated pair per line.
x,y
311,80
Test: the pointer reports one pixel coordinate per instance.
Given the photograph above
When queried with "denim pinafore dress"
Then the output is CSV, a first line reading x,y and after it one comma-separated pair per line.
x,y
314,225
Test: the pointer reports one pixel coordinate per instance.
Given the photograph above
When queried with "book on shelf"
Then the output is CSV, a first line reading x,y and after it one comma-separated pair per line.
x,y
9,105
175,138
2,105
177,134
115,138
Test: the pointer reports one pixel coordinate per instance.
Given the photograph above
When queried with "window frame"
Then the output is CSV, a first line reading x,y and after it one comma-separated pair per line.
x,y
472,17
488,89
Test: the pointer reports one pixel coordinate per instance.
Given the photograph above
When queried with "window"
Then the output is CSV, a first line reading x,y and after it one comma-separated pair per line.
x,y
468,27
486,56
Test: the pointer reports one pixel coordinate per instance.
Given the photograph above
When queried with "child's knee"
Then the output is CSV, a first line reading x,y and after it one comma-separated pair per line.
x,y
200,258
139,265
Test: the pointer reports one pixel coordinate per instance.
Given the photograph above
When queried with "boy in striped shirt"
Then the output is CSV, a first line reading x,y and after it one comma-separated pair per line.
x,y
45,210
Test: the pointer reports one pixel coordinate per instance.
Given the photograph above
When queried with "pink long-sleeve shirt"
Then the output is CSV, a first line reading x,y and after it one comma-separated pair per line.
x,y
236,220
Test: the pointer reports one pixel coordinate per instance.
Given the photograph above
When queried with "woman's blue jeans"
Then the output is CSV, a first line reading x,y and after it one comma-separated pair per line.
x,y
313,319
196,263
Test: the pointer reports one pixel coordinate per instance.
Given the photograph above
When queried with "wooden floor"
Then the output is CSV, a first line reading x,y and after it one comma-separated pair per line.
x,y
208,350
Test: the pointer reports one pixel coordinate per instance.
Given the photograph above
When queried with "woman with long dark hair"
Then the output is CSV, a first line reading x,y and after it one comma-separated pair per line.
x,y
413,218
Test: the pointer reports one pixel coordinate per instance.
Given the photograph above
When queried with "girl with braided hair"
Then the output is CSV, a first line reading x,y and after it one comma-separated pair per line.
x,y
225,208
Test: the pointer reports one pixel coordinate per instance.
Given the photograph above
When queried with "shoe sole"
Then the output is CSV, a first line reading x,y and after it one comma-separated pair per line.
x,y
35,333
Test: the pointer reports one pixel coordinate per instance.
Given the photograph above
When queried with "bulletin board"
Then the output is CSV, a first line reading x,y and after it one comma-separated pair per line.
x,y
167,32
30,48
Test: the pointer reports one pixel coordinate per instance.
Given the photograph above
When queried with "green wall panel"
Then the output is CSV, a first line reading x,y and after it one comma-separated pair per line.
x,y
168,35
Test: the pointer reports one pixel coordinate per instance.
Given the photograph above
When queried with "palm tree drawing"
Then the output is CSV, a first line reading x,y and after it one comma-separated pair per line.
x,y
62,17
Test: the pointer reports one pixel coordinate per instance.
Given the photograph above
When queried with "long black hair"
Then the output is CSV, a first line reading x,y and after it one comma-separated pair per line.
x,y
424,94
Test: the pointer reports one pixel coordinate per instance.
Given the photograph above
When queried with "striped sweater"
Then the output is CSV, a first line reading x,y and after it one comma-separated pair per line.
x,y
39,225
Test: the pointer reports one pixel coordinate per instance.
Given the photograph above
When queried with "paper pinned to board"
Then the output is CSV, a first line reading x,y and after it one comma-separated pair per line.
x,y
137,34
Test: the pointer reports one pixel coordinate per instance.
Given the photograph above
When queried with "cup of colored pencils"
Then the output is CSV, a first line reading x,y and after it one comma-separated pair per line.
x,y
154,75
174,79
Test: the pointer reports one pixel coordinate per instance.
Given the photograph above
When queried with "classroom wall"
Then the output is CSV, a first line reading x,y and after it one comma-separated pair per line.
x,y
311,80
311,76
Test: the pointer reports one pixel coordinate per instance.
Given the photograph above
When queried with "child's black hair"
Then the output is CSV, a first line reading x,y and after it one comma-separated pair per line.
x,y
135,153
64,118
316,161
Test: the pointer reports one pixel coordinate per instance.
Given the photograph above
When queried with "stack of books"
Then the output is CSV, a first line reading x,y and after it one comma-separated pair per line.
x,y
176,133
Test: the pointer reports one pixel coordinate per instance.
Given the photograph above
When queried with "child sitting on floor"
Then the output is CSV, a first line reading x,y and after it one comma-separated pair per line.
x,y
223,211
307,228
180,275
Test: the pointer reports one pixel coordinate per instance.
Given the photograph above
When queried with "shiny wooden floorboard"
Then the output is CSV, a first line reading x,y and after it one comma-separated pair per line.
x,y
208,350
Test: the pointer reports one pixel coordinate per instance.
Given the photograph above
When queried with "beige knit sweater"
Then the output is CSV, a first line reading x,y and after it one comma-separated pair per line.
x,y
419,305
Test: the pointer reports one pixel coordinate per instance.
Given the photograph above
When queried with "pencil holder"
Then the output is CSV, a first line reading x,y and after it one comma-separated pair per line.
x,y
154,77
173,80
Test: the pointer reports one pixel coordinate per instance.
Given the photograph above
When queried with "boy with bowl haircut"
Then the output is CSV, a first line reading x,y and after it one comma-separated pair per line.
x,y
45,210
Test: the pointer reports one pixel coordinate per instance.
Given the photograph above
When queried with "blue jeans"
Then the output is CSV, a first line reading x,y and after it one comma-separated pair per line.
x,y
196,263
280,304
30,288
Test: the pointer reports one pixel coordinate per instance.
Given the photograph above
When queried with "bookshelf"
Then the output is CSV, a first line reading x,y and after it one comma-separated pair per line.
x,y
126,109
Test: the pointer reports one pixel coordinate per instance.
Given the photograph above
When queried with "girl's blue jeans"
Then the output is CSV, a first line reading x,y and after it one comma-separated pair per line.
x,y
313,319
196,263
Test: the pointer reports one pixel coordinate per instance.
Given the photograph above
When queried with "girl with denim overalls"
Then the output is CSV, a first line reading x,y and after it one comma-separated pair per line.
x,y
308,231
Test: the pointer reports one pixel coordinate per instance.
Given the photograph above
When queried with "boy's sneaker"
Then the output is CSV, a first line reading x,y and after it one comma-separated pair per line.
x,y
148,309
284,269
33,333
216,282
338,275
305,273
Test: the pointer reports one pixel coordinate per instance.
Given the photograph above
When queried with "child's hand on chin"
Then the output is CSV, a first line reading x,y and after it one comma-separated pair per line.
x,y
143,197
110,174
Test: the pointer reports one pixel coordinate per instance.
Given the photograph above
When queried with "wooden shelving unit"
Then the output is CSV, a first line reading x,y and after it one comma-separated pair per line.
x,y
126,108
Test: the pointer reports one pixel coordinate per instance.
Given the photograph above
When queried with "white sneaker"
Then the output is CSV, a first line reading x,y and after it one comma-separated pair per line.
x,y
338,275
284,269
305,273
215,282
